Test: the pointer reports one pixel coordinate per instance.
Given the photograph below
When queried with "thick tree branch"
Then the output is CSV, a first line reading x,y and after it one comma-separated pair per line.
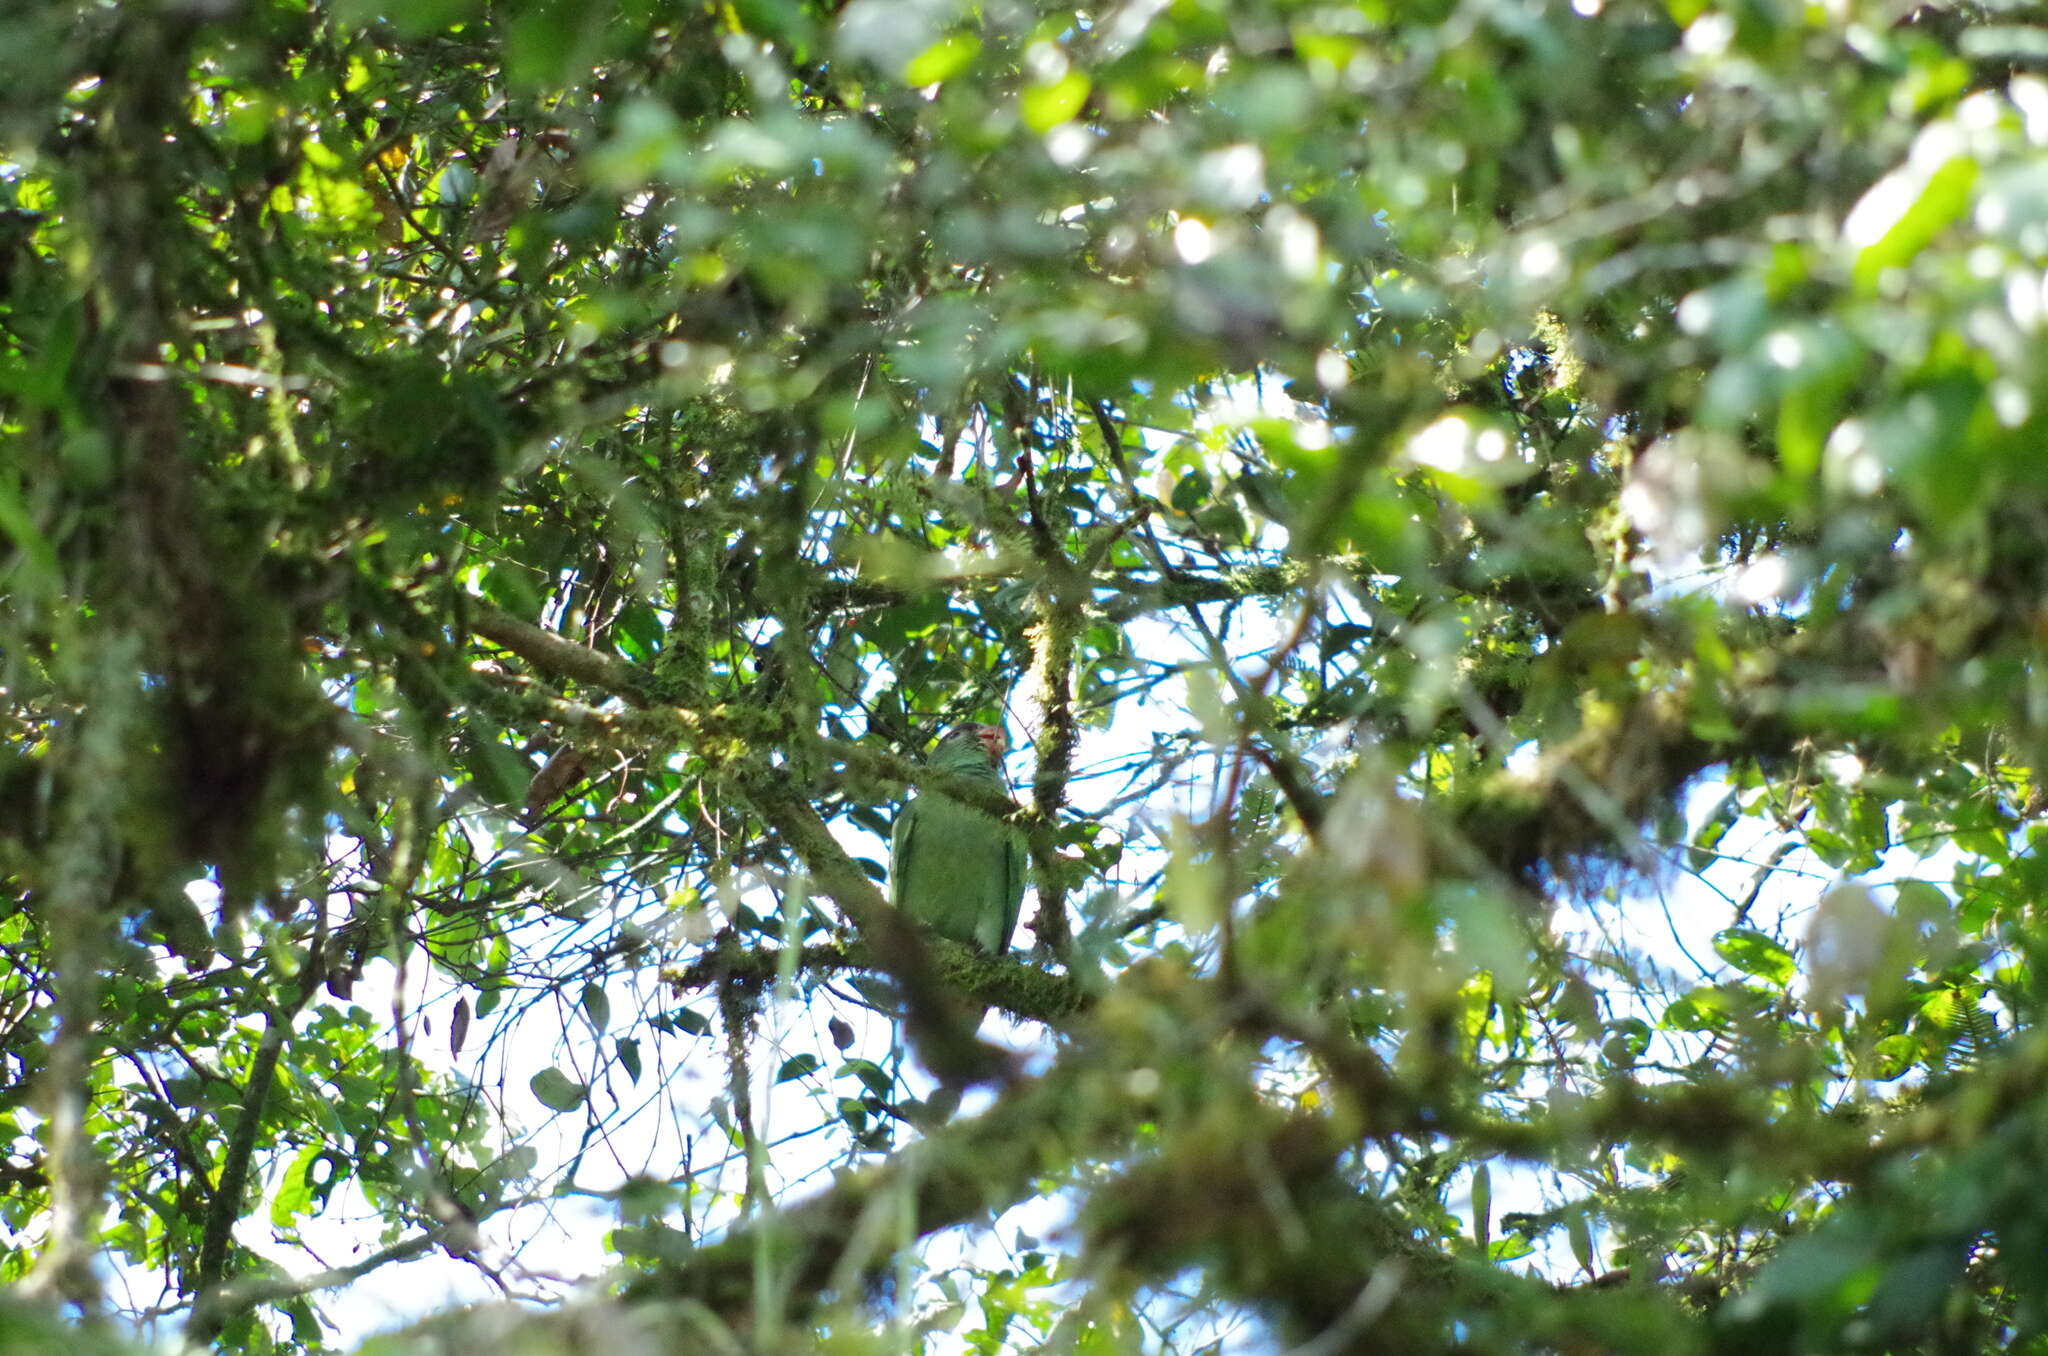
x,y
252,1291
211,1313
1052,681
723,733
1016,986
556,655
970,1166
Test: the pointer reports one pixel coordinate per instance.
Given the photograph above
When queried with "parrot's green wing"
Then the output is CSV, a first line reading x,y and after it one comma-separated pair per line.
x,y
1019,865
903,844
954,868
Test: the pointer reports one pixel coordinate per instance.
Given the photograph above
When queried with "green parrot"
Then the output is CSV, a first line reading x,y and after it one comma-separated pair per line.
x,y
954,869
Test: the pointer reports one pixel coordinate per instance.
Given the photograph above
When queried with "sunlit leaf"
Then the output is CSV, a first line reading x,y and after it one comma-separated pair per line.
x,y
1755,953
1045,106
943,60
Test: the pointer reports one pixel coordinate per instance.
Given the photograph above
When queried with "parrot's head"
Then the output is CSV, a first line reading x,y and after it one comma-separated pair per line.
x,y
988,739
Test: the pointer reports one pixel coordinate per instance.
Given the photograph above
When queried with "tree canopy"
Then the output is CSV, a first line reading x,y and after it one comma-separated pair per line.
x,y
1508,538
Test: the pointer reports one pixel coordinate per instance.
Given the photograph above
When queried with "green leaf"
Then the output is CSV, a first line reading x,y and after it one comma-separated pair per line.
x,y
1482,1206
689,1021
597,1006
557,1091
295,1192
1704,1009
1580,1233
1754,953
870,1073
501,775
1700,853
1627,1041
1892,1057
1902,213
797,1066
943,60
1045,106
629,1056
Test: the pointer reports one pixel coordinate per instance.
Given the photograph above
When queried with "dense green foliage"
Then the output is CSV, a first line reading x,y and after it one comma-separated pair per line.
x,y
1509,535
